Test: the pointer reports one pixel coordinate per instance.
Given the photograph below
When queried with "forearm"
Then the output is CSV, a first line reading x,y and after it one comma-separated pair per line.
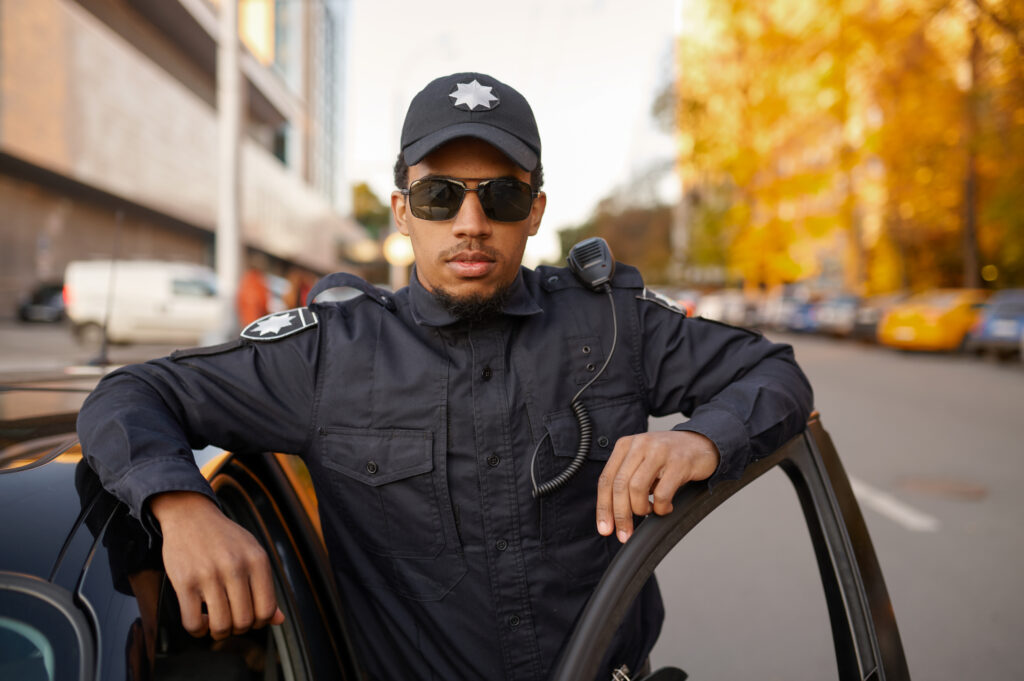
x,y
754,415
136,442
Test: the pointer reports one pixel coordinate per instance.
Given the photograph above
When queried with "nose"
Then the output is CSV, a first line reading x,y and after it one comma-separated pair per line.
x,y
470,222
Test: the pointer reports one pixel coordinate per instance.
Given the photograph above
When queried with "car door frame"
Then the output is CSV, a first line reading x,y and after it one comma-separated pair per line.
x,y
865,636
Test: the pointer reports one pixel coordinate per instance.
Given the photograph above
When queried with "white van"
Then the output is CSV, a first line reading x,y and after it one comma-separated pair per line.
x,y
146,300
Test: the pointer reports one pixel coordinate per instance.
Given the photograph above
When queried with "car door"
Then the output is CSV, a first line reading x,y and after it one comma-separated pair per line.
x,y
864,634
124,587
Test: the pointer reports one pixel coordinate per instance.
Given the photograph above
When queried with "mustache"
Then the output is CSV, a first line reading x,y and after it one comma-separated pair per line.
x,y
469,245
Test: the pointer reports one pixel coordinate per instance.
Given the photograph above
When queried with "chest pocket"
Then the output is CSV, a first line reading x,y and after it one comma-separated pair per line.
x,y
568,524
383,480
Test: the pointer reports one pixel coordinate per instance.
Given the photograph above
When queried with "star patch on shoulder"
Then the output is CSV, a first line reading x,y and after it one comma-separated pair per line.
x,y
662,300
280,324
471,95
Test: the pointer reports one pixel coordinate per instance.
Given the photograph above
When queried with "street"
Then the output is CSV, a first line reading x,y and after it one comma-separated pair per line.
x,y
932,444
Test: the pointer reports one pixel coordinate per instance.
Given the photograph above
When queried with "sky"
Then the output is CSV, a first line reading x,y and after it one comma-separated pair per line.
x,y
589,68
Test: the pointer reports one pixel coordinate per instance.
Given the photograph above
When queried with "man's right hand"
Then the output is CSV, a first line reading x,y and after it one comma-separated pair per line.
x,y
211,559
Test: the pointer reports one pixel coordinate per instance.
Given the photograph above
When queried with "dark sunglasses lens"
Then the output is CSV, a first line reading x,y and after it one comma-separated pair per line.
x,y
506,200
435,199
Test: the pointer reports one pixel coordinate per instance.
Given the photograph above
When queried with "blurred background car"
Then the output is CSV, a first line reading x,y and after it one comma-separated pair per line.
x,y
837,314
870,311
1000,326
141,301
727,305
45,303
803,317
934,320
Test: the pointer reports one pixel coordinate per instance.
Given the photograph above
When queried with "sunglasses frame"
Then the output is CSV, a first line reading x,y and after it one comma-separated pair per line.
x,y
461,183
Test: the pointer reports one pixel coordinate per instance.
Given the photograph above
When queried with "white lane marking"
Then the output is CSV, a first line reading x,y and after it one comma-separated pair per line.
x,y
892,508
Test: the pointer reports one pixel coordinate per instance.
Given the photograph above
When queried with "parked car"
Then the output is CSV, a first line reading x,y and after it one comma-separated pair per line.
x,y
870,312
83,595
804,317
837,315
45,303
934,320
1000,327
727,305
142,301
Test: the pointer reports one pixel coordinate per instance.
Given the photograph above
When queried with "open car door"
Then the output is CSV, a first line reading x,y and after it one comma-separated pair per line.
x,y
866,639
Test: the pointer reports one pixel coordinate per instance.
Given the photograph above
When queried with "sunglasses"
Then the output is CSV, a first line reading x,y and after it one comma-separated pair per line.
x,y
503,199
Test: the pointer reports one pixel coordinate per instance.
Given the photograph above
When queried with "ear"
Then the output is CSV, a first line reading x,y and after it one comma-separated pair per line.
x,y
398,205
537,212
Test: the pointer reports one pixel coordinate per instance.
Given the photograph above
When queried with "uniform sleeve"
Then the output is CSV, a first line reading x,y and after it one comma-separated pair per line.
x,y
140,424
745,393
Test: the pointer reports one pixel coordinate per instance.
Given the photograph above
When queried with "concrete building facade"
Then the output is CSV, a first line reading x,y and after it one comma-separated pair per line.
x,y
108,134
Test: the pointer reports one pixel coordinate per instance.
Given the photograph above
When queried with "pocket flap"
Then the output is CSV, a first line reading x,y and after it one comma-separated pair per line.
x,y
609,421
378,456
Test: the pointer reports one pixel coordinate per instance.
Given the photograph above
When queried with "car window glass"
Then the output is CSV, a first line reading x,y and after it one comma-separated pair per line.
x,y
32,633
195,288
743,596
25,652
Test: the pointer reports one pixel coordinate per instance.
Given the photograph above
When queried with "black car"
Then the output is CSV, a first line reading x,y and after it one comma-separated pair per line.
x,y
45,303
83,595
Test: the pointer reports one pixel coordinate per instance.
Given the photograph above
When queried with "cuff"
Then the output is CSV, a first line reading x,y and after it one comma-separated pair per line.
x,y
155,476
730,437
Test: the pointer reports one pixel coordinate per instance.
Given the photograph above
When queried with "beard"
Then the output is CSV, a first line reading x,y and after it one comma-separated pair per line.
x,y
475,308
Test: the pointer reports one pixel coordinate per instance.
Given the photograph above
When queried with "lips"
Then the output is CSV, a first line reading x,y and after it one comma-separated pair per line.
x,y
471,264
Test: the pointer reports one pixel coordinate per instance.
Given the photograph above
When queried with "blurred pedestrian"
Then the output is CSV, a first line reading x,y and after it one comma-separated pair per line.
x,y
253,296
299,286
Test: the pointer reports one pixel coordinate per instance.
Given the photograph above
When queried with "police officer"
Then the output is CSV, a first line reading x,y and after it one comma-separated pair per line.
x,y
429,417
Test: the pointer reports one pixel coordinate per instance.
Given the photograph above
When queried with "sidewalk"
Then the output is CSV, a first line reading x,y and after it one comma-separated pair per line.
x,y
31,350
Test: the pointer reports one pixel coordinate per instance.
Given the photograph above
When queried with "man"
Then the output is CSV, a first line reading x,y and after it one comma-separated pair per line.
x,y
427,418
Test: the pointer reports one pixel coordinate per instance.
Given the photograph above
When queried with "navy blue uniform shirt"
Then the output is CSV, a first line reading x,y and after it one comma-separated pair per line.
x,y
418,430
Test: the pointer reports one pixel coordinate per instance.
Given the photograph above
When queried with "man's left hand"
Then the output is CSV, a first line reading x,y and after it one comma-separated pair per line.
x,y
646,464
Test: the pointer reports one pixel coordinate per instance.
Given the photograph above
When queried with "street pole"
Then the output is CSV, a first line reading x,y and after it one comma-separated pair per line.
x,y
227,242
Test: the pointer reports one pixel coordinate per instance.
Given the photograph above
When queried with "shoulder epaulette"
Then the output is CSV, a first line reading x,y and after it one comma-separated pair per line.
x,y
280,324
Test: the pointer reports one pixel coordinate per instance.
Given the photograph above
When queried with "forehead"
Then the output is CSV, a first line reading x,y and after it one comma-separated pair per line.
x,y
467,157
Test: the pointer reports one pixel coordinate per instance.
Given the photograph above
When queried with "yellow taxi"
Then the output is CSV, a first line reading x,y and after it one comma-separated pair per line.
x,y
933,320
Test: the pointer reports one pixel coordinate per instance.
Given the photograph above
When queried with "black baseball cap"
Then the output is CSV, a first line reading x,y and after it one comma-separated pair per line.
x,y
471,105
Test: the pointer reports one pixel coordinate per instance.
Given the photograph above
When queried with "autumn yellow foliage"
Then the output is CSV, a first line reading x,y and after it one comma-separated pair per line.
x,y
862,144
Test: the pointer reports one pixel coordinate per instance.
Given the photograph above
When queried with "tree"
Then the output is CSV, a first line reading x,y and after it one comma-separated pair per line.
x,y
370,211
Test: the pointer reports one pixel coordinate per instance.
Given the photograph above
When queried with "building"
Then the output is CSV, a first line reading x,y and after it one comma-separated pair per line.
x,y
108,134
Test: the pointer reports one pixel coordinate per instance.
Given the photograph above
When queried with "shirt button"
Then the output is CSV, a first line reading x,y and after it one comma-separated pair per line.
x,y
602,441
501,544
514,621
591,367
586,349
371,467
486,373
493,460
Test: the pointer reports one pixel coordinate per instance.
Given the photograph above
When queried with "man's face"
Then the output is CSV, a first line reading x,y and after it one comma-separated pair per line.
x,y
469,255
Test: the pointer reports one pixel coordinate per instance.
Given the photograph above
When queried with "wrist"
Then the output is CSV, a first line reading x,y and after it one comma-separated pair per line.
x,y
168,507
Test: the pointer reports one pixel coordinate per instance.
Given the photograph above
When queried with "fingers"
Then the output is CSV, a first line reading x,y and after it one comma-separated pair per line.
x,y
218,612
646,465
210,559
264,601
615,493
605,523
192,618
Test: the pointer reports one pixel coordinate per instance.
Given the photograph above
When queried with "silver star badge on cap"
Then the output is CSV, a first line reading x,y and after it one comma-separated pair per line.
x,y
472,95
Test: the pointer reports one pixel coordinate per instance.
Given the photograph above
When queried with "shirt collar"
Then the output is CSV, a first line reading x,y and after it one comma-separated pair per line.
x,y
426,311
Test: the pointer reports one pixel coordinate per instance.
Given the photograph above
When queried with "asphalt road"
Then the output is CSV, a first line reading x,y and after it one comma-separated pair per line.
x,y
934,447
